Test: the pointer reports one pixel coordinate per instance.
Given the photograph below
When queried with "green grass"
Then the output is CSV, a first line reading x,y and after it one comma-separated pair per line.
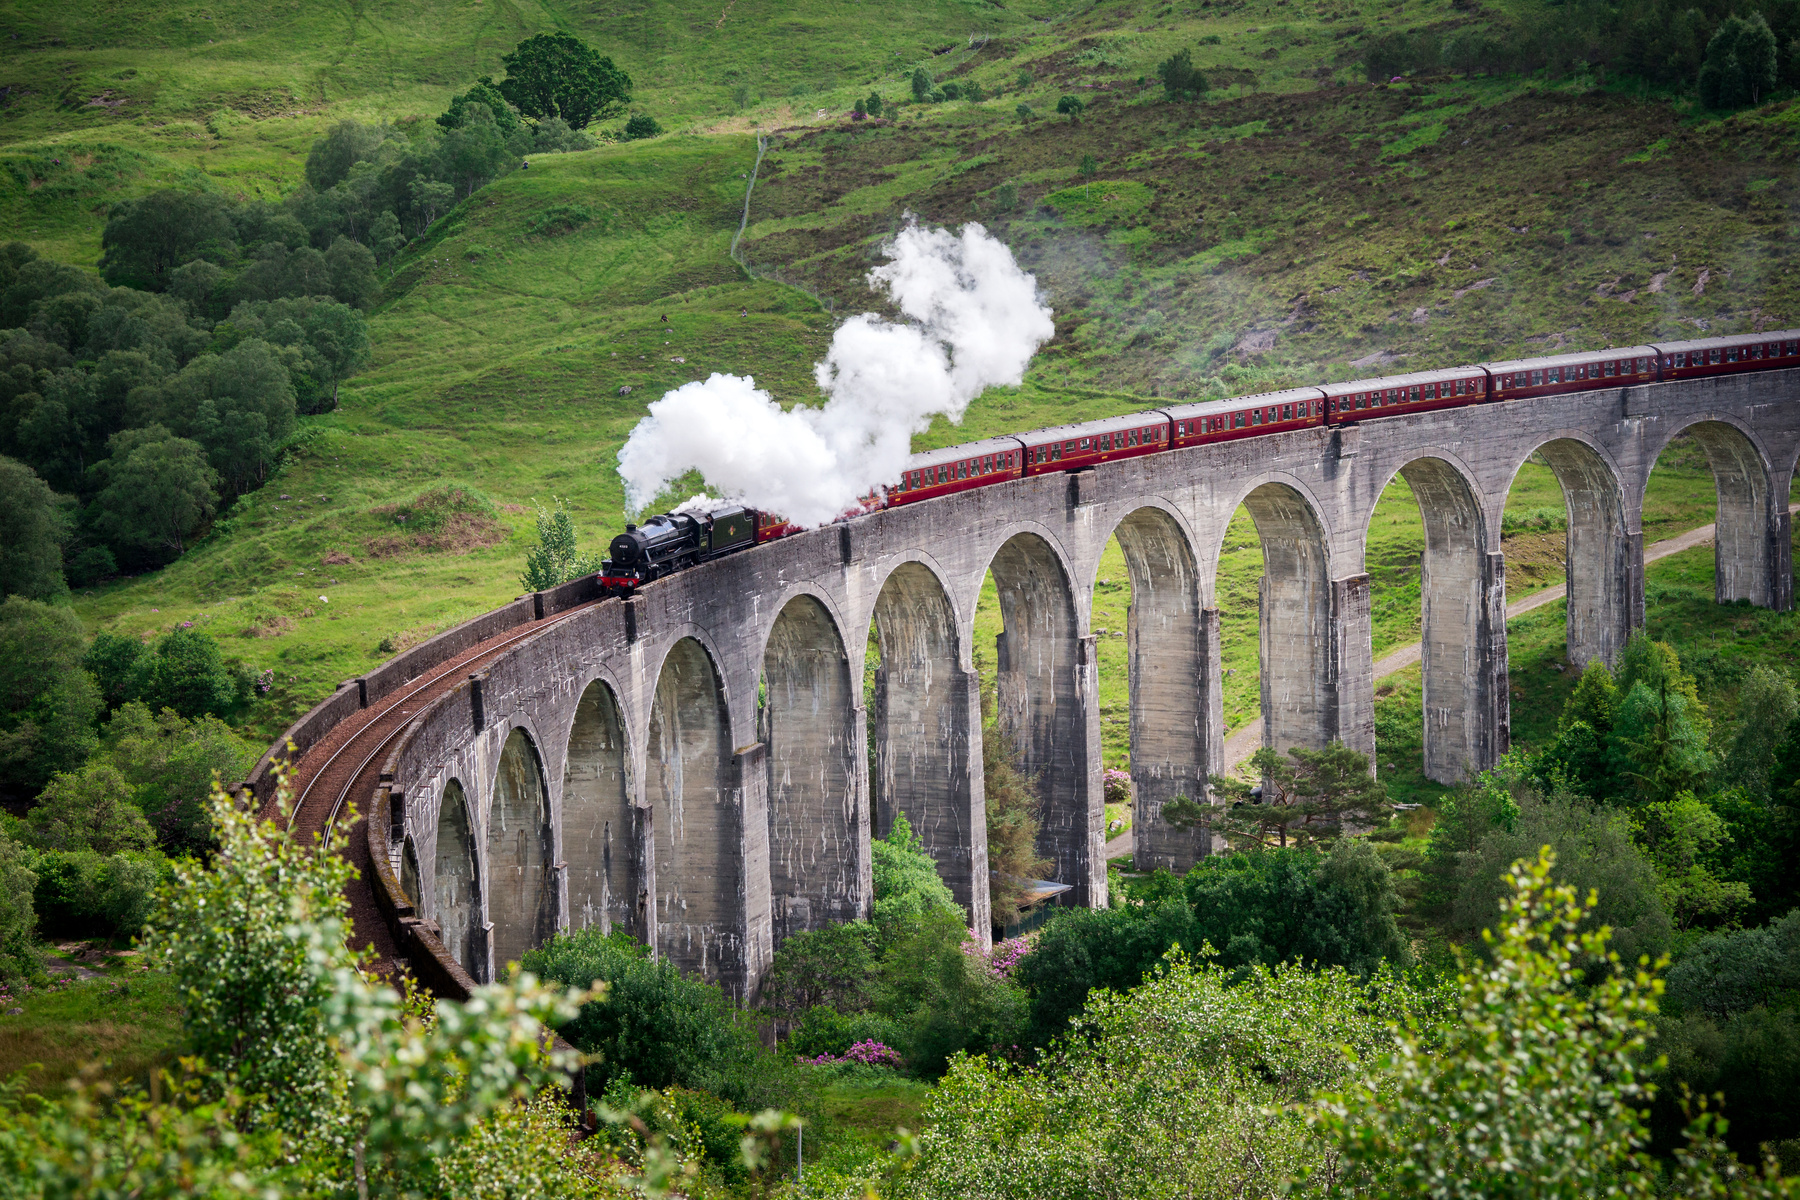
x,y
128,1021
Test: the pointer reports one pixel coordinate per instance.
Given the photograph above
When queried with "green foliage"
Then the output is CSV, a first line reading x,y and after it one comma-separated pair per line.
x,y
1071,106
1181,80
1186,1086
171,763
642,125
146,239
1767,707
555,559
874,104
256,945
824,1030
826,969
907,885
1331,909
89,809
84,894
1735,970
18,912
561,218
48,704
921,84
184,671
1537,1083
159,491
656,1028
1685,838
1595,851
943,996
1013,808
559,75
32,532
1464,818
483,93
322,341
1739,69
1304,802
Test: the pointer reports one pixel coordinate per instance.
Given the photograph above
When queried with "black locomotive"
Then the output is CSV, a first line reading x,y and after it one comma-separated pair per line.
x,y
671,541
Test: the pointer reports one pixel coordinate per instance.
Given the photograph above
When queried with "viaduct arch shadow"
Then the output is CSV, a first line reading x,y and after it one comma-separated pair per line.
x,y
1747,528
456,883
1462,600
1295,618
1602,561
1043,691
521,893
1177,713
601,835
818,826
689,789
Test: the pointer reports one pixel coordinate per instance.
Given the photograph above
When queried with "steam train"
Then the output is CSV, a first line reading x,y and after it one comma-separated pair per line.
x,y
672,541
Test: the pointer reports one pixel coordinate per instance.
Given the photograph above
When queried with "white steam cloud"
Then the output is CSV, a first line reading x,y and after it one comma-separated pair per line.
x,y
974,320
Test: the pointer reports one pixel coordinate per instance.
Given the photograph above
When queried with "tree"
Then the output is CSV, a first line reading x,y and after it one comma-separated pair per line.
x,y
907,884
146,239
385,237
1181,80
1070,105
1535,1088
1767,706
1302,802
874,104
89,809
1740,63
557,75
18,915
431,197
1025,111
486,94
641,126
185,672
555,559
1662,746
32,531
345,144
1684,838
240,405
1012,819
47,702
351,266
833,966
171,764
159,491
921,84
476,151
553,136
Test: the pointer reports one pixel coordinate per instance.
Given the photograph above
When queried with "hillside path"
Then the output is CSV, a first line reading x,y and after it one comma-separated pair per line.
x,y
1242,744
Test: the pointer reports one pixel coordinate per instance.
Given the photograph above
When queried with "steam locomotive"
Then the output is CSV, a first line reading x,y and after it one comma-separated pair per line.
x,y
673,541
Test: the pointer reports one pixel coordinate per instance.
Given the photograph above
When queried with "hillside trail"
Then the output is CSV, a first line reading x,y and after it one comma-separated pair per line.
x,y
1245,742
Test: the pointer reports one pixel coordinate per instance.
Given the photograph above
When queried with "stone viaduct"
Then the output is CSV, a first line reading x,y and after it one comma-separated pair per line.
x,y
694,765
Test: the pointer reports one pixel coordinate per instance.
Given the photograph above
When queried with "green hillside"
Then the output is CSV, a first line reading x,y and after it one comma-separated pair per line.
x,y
1297,223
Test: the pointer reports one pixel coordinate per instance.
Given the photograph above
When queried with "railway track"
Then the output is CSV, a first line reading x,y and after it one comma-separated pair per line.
x,y
345,766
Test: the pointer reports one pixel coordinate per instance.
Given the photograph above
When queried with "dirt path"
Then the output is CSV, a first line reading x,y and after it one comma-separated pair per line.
x,y
1242,744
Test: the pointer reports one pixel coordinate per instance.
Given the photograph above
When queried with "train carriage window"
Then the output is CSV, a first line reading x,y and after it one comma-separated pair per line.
x,y
1287,412
1712,356
1731,354
1056,452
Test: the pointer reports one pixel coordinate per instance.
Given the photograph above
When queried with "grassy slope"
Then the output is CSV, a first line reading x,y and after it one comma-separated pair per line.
x,y
1274,232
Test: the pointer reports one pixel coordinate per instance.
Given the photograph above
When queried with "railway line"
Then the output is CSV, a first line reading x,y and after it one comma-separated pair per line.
x,y
345,766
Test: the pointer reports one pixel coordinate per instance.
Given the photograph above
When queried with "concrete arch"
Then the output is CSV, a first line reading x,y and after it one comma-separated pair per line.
x,y
1751,531
1604,563
602,835
1297,628
456,883
926,729
521,892
1462,623
818,823
1045,704
690,790
1177,712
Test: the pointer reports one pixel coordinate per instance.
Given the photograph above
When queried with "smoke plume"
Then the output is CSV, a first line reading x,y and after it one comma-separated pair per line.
x,y
974,320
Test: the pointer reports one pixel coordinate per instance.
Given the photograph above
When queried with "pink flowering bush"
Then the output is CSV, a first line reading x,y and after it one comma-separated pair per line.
x,y
1118,786
869,1054
1002,959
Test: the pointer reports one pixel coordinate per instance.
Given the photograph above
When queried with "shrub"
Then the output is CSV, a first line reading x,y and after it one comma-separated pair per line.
x,y
1071,106
81,894
1181,80
555,559
825,1032
560,218
18,912
832,967
921,84
641,126
907,885
1740,63
89,809
1025,111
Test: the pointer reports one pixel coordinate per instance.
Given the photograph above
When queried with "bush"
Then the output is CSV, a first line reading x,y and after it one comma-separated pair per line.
x,y
18,912
1071,106
89,809
833,967
643,125
32,531
47,702
921,84
555,558
907,885
1181,80
185,671
1740,63
82,894
825,1031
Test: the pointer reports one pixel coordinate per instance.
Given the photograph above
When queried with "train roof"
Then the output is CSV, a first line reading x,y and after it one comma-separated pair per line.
x,y
1081,429
1206,408
1516,365
1742,339
993,445
1407,380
